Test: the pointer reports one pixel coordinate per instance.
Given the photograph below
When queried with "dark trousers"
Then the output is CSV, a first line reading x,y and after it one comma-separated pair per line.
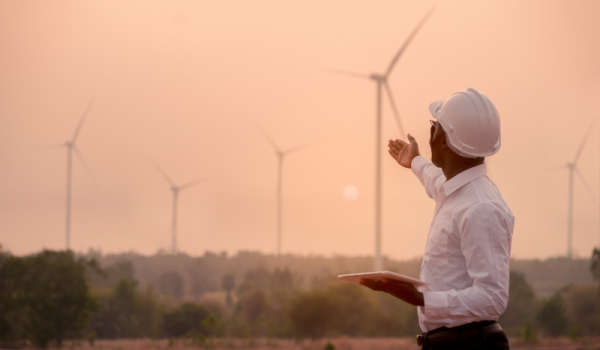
x,y
493,341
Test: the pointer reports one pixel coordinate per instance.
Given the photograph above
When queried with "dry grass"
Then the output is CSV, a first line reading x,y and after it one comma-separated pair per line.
x,y
341,343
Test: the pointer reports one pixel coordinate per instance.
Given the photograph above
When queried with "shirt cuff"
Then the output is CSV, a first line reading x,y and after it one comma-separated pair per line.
x,y
436,305
417,165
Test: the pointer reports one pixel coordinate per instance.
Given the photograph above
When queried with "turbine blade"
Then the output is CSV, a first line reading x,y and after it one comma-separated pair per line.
x,y
347,73
583,143
587,186
193,183
162,172
408,41
295,149
559,167
60,145
85,113
85,165
264,133
393,103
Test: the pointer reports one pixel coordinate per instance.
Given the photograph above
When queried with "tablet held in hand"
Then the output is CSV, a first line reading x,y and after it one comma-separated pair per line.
x,y
376,276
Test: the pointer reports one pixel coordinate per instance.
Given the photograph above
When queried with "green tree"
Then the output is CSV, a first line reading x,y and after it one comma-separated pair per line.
x,y
188,319
171,283
254,304
13,308
392,317
259,278
200,276
58,297
552,316
582,306
521,303
126,312
595,269
112,274
356,309
313,313
595,264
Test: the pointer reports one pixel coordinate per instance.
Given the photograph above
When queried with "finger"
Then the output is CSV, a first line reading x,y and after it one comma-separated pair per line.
x,y
402,143
366,283
397,146
374,285
400,284
394,148
411,139
393,144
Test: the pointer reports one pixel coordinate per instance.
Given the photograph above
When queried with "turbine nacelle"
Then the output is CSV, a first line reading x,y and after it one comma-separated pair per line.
x,y
378,77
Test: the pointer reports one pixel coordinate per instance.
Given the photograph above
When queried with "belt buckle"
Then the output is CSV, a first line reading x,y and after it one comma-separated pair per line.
x,y
420,340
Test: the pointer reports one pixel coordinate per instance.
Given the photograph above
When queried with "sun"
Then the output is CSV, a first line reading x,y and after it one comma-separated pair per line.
x,y
350,193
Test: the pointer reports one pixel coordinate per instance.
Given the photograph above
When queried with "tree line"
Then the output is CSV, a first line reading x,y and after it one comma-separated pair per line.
x,y
202,274
49,297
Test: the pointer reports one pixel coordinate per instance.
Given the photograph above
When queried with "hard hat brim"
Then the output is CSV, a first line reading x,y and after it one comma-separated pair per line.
x,y
434,107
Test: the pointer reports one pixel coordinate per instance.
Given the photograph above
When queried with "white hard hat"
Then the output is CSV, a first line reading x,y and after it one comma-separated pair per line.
x,y
471,123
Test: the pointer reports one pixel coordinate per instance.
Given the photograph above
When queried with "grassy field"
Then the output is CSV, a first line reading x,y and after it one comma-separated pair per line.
x,y
342,343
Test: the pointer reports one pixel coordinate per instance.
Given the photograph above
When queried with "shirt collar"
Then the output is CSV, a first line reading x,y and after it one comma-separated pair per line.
x,y
464,178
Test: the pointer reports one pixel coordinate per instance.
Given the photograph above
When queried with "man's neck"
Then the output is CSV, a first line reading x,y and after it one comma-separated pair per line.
x,y
454,167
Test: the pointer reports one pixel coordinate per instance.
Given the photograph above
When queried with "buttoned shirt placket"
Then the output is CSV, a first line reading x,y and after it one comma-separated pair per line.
x,y
438,207
476,214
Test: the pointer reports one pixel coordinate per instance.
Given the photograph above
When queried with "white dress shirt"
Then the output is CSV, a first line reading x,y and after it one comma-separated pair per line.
x,y
468,248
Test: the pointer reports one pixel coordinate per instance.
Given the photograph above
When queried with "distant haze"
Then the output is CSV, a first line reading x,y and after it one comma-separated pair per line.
x,y
184,82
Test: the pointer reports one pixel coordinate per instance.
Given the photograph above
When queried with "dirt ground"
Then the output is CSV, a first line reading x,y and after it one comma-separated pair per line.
x,y
341,343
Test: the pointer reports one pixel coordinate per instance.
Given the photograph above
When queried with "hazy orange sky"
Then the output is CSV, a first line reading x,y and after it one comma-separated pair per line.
x,y
184,83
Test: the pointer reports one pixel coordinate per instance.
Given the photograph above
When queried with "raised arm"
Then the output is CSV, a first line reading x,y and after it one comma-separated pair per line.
x,y
404,152
407,155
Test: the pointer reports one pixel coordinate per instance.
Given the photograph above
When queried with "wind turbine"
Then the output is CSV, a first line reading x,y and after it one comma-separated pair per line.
x,y
70,145
280,155
572,166
382,82
175,189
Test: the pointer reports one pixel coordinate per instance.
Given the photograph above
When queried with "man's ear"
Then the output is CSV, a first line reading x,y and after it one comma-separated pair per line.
x,y
445,143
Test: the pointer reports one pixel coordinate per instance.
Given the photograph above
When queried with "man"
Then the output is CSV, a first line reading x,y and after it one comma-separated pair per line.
x,y
468,246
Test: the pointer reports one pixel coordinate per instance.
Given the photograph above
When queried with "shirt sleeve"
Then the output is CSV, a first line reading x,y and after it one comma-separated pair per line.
x,y
430,176
485,242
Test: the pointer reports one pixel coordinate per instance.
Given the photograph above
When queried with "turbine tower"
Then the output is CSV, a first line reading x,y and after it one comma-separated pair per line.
x,y
175,189
381,81
572,166
71,148
280,155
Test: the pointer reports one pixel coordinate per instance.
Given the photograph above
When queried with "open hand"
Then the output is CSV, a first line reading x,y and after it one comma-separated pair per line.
x,y
401,290
404,152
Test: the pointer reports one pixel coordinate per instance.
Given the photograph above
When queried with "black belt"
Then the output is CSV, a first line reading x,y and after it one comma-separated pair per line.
x,y
461,332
